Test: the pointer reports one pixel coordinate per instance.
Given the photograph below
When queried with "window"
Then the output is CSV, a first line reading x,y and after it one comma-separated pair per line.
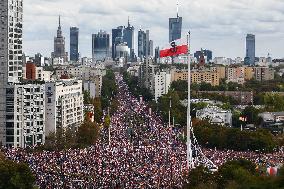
x,y
49,100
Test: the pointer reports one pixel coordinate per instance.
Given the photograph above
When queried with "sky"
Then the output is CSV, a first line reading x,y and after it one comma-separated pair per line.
x,y
218,25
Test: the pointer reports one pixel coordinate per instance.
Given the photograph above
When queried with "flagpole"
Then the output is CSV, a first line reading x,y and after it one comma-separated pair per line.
x,y
189,145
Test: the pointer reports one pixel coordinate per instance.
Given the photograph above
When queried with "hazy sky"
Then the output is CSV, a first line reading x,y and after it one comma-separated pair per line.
x,y
218,25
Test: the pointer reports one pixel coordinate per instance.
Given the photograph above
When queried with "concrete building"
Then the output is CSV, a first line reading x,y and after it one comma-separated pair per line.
x,y
160,84
59,45
122,51
205,53
215,115
100,46
175,27
241,97
32,73
263,73
82,73
25,115
64,105
74,44
235,75
197,76
249,73
94,86
220,70
11,30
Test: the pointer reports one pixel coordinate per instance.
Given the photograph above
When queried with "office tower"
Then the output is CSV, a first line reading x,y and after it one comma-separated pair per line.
x,y
128,37
151,48
100,46
157,54
74,44
59,45
250,49
117,38
175,27
141,44
207,53
11,19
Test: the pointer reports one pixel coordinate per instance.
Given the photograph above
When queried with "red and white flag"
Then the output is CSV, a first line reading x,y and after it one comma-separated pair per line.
x,y
175,50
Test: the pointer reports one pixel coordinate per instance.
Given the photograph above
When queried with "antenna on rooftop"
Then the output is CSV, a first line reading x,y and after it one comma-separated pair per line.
x,y
177,8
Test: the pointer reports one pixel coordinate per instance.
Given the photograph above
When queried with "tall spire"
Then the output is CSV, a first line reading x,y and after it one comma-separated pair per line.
x,y
177,8
128,22
59,22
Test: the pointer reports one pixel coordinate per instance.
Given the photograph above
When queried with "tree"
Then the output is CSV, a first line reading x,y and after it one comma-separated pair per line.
x,y
15,175
88,133
87,97
98,112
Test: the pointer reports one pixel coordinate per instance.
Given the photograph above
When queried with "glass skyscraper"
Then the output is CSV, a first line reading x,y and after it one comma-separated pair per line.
x,y
175,27
250,49
100,46
117,38
74,44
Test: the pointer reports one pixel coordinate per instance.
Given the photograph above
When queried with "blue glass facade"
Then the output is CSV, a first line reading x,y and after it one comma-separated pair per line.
x,y
74,44
175,27
250,49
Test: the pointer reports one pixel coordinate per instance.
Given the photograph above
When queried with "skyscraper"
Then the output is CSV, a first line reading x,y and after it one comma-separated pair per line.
x,y
145,46
124,35
175,27
100,46
141,44
10,62
74,44
128,36
117,38
250,49
59,45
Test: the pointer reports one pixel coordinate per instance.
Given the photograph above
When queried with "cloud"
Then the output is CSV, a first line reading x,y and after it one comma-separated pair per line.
x,y
220,25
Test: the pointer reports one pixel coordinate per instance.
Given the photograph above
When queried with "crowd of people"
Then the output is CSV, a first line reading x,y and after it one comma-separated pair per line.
x,y
140,151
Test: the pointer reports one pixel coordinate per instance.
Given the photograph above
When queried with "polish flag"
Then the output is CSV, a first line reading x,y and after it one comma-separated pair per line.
x,y
177,50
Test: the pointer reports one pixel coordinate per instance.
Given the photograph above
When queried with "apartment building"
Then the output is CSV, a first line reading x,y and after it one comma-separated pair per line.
x,y
263,73
215,115
64,105
197,76
160,84
25,118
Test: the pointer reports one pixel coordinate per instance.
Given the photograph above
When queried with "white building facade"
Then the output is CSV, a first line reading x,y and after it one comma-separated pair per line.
x,y
64,105
25,118
215,115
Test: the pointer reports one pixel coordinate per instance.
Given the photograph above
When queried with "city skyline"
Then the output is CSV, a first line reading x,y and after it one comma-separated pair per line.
x,y
220,25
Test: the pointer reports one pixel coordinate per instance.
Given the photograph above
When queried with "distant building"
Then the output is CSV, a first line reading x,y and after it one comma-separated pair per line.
x,y
215,115
198,76
250,49
241,97
160,84
175,27
145,46
128,37
122,51
59,45
117,38
74,44
94,86
206,53
264,73
64,105
100,46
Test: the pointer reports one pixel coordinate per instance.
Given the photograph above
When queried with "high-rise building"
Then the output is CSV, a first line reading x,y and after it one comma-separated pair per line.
x,y
145,46
123,35
59,45
100,46
74,44
250,49
175,27
11,19
117,38
128,37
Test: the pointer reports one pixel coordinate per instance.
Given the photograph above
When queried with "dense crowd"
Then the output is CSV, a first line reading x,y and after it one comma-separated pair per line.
x,y
143,152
